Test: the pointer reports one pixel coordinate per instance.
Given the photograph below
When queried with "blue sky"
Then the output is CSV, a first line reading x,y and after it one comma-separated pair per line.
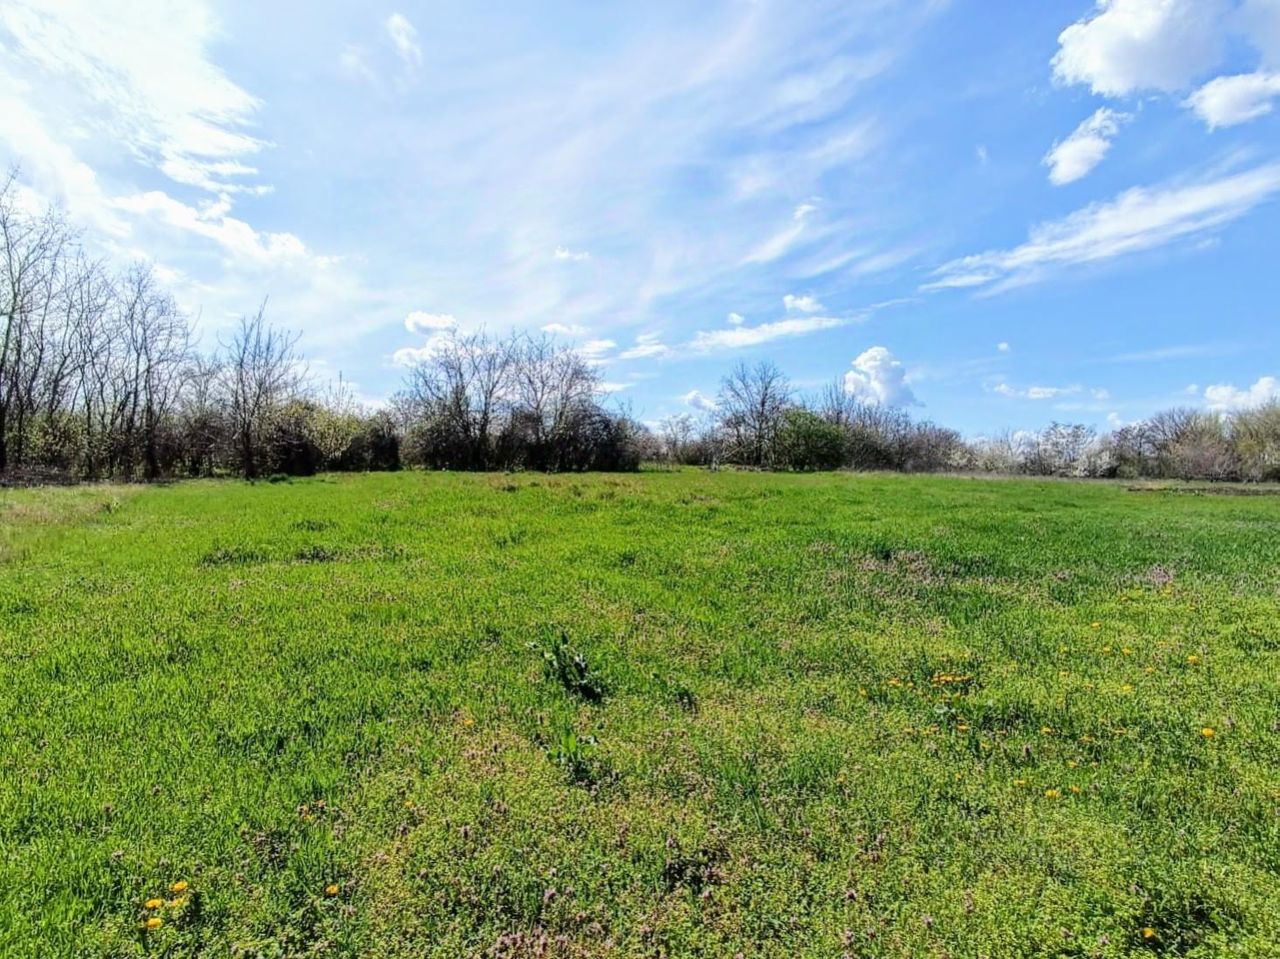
x,y
999,213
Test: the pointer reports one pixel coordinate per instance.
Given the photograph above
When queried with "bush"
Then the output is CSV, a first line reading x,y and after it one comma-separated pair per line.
x,y
808,442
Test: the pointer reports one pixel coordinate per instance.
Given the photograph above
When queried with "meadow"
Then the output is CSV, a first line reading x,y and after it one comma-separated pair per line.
x,y
667,714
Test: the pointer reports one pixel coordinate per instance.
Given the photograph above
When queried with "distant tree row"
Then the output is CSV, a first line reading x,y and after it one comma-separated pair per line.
x,y
100,377
759,421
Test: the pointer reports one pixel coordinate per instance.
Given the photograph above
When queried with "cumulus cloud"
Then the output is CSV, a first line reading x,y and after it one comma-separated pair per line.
x,y
736,319
404,37
879,377
698,401
801,304
1131,45
420,322
1228,101
740,336
1003,347
1139,219
1226,397
1086,146
564,253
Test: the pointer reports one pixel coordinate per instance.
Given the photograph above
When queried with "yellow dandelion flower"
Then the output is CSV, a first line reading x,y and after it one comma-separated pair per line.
x,y
153,903
1046,731
177,903
1074,789
331,890
1126,688
154,923
1095,625
1148,932
1193,659
1051,794
1019,782
1127,651
180,886
1208,732
1106,649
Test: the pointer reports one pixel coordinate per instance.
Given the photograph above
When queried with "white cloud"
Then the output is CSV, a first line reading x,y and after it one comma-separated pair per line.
x,y
355,63
1228,101
699,401
1036,392
777,245
594,349
211,221
781,242
1139,219
404,37
145,68
646,345
1086,146
420,322
736,319
563,253
1131,45
879,377
561,329
801,304
1003,347
742,336
607,386
1227,397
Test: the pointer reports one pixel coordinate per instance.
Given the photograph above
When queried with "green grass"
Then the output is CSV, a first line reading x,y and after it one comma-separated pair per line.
x,y
669,714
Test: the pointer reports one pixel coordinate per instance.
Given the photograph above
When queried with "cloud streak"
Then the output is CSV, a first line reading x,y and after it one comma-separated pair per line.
x,y
1139,219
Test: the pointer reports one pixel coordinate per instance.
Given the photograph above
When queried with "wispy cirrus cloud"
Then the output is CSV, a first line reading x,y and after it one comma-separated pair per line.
x,y
1139,219
1046,392
404,37
738,337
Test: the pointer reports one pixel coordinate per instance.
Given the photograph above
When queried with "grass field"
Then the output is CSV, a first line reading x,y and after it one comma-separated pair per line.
x,y
667,714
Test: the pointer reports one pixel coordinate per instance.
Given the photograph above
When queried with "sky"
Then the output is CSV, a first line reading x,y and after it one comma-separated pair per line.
x,y
994,213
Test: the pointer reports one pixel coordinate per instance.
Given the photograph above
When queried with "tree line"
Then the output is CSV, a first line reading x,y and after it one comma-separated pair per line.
x,y
759,421
100,376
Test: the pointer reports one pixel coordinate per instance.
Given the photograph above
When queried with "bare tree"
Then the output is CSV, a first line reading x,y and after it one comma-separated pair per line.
x,y
752,400
261,372
459,393
31,253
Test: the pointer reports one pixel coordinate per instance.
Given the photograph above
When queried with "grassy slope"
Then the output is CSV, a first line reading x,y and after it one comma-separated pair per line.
x,y
266,690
